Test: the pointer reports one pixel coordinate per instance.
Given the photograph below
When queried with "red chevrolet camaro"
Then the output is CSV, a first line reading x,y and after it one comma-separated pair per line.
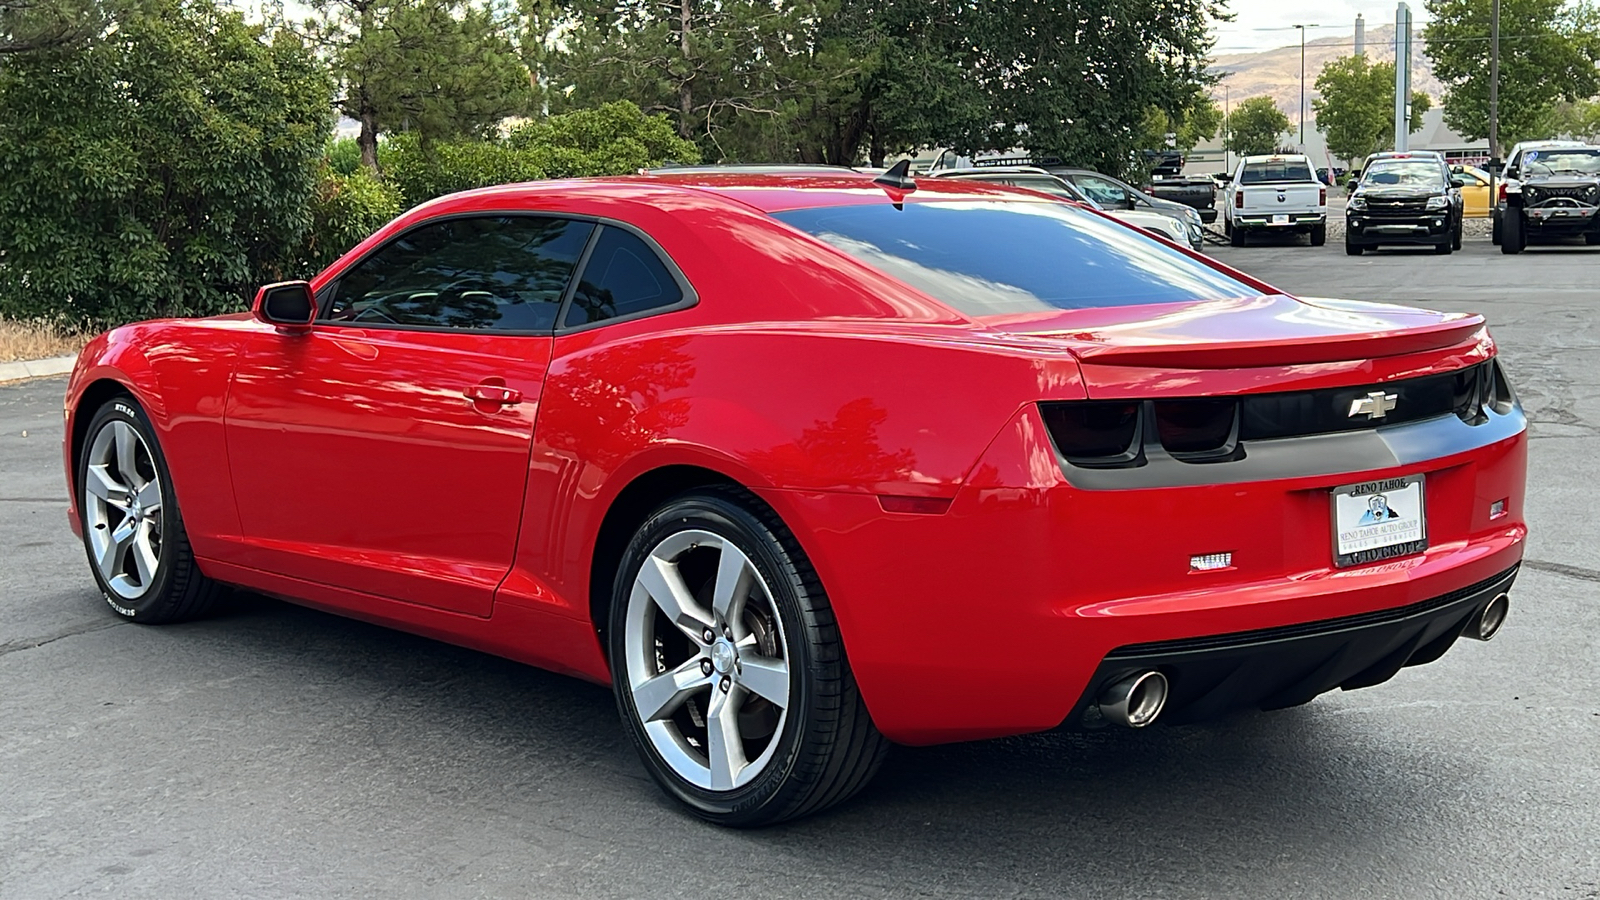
x,y
803,464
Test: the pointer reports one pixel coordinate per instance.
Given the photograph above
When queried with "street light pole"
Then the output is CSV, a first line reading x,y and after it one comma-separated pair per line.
x,y
1302,30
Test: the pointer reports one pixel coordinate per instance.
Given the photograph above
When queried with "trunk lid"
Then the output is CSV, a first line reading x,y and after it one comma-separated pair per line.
x,y
1264,331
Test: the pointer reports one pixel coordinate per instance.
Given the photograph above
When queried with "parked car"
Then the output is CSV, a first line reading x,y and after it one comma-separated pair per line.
x,y
804,463
1355,177
1037,179
1404,198
1474,191
1552,193
1113,193
1510,174
1276,194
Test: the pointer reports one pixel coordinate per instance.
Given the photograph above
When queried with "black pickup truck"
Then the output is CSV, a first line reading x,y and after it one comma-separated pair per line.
x,y
1552,193
1198,191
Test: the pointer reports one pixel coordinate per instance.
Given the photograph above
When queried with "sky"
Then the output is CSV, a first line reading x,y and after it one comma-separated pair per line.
x,y
1267,24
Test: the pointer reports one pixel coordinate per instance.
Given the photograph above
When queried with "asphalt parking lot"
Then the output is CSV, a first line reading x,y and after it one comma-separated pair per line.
x,y
279,752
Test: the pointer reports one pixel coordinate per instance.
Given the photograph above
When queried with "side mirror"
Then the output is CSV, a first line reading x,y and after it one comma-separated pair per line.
x,y
1351,184
1130,201
287,305
1458,181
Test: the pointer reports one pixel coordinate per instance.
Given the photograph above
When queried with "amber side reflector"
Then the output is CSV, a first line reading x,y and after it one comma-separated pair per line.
x,y
926,506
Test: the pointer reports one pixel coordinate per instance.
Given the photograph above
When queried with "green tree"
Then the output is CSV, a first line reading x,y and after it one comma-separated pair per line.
x,y
1356,107
167,167
1188,127
27,25
440,68
1549,51
833,80
1255,126
1580,120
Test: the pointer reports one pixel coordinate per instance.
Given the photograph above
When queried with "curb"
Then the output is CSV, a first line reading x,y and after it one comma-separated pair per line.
x,y
36,368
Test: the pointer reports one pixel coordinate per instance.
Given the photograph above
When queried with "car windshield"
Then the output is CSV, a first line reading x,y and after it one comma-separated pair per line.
x,y
1275,170
1419,173
1566,161
997,257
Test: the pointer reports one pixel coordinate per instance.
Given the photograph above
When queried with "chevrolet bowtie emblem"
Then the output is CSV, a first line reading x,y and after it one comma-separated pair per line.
x,y
1375,405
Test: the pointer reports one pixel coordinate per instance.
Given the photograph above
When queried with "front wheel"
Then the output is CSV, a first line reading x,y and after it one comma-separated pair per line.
x,y
1455,239
1351,249
728,668
1513,239
132,530
1443,249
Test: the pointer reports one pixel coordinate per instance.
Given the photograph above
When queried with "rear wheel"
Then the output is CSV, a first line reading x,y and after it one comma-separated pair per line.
x,y
728,667
1319,235
132,530
1236,237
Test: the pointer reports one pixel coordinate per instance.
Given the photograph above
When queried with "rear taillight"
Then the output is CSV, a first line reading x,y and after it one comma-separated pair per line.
x,y
1502,192
1095,434
1238,200
1322,196
1198,429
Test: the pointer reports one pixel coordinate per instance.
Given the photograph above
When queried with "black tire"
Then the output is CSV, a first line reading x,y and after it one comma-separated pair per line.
x,y
1227,227
1319,235
1455,238
1591,239
1443,249
178,590
1513,239
1352,249
1494,231
1236,237
827,748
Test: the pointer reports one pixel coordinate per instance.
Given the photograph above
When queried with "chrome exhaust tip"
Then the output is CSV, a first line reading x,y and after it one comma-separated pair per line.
x,y
1135,701
1486,623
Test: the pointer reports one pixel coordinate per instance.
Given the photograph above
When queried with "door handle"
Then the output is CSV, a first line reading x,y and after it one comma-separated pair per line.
x,y
496,394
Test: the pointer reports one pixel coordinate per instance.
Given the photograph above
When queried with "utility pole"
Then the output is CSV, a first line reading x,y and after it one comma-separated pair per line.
x,y
1494,80
1402,77
1302,29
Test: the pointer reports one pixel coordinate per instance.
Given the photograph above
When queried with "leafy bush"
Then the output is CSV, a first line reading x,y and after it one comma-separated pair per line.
x,y
344,156
613,139
423,173
166,167
346,209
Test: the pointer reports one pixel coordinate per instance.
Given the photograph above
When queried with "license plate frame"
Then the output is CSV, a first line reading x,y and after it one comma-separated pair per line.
x,y
1359,539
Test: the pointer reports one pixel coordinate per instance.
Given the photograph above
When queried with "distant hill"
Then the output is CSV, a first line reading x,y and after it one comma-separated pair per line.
x,y
1276,73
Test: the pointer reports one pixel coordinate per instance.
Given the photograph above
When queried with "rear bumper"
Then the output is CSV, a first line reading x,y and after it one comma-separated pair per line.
x,y
1266,223
1278,667
995,616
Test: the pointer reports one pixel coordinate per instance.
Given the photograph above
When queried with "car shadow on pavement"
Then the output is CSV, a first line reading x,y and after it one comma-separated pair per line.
x,y
1060,812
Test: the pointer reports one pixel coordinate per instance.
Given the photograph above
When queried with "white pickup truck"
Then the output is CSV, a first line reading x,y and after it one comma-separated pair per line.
x,y
1271,194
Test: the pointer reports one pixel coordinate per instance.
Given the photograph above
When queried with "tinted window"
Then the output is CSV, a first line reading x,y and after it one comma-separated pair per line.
x,y
1103,191
1276,171
623,276
995,257
1420,173
503,273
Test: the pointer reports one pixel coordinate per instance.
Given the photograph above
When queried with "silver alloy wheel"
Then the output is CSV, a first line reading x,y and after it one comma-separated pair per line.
x,y
122,510
706,661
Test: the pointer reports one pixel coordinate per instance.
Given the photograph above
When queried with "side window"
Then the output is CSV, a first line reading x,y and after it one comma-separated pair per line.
x,y
1103,192
501,273
623,276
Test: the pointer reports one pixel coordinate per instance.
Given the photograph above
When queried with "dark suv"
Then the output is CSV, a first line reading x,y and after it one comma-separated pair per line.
x,y
1552,193
1404,198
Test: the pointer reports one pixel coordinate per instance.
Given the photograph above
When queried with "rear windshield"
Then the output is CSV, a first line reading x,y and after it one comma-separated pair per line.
x,y
1276,171
995,257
